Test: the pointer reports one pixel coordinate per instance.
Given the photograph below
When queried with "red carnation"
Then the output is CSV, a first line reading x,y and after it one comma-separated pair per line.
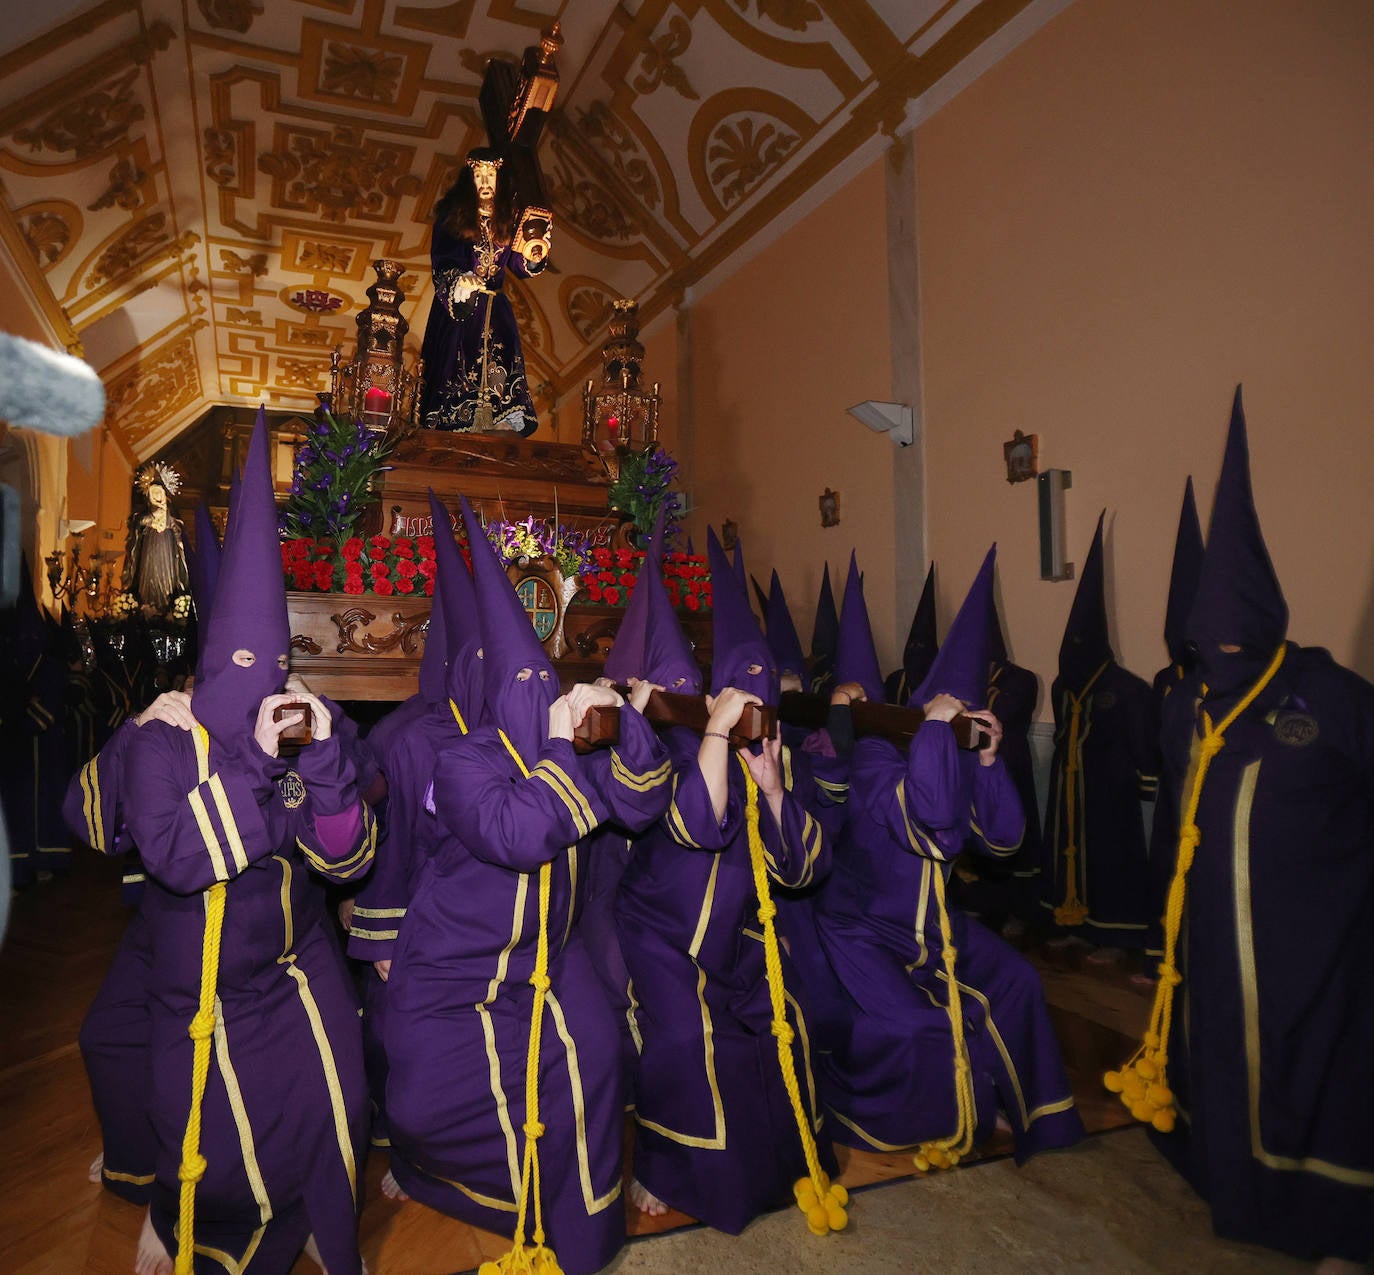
x,y
379,571
623,557
353,586
428,568
404,547
380,542
628,578
405,568
405,585
594,591
606,577
611,596
429,588
303,578
691,602
353,549
602,557
382,587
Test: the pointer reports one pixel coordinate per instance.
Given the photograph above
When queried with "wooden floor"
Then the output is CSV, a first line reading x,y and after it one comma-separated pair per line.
x,y
54,1222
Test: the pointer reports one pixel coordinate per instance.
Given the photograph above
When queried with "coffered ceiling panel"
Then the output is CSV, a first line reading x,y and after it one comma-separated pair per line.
x,y
205,183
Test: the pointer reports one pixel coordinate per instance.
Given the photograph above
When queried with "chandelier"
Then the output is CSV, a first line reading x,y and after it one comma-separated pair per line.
x,y
70,579
619,416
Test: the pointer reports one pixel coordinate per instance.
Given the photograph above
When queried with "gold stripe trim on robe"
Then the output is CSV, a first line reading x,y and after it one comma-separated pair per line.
x,y
1249,987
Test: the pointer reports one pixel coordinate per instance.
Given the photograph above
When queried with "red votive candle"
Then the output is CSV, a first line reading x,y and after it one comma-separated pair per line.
x,y
377,400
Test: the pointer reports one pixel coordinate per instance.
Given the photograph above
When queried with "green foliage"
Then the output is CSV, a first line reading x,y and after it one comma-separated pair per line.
x,y
645,483
337,468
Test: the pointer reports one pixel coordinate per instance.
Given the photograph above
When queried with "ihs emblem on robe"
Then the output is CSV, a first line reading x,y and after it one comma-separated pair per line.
x,y
292,790
1296,729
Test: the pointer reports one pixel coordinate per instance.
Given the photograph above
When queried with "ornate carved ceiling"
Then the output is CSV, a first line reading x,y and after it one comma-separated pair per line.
x,y
204,183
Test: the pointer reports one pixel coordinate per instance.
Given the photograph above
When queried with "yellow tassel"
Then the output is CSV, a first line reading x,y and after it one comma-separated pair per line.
x,y
535,1258
945,1153
1143,1084
822,1203
201,1031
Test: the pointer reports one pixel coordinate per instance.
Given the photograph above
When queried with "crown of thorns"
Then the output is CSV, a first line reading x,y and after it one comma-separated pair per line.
x,y
492,163
163,475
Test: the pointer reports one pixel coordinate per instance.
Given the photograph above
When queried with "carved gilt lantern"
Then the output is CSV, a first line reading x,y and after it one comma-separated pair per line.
x,y
375,386
619,416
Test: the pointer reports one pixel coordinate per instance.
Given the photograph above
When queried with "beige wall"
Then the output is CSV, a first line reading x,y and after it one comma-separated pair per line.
x,y
1142,206
778,352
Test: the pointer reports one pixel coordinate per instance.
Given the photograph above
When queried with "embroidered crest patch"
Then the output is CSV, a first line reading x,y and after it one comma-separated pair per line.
x,y
1295,729
292,790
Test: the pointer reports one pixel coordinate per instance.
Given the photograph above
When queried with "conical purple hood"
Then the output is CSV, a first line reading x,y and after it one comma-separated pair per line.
x,y
762,599
856,660
997,644
248,611
626,656
737,562
518,706
434,661
1239,601
462,632
826,631
922,641
204,562
960,668
781,633
738,642
668,658
1183,578
30,622
1086,646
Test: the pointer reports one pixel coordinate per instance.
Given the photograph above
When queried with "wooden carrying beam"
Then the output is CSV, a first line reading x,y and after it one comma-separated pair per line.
x,y
888,721
665,708
759,721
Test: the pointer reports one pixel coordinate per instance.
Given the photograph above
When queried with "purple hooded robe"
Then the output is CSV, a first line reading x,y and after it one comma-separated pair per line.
x,y
459,1003
283,1120
887,1065
716,1135
1273,1025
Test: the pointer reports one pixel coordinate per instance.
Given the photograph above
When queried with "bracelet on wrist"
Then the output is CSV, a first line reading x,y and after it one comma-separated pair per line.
x,y
715,734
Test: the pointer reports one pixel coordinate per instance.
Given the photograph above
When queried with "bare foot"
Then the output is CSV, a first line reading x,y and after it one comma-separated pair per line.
x,y
152,1258
645,1201
392,1189
1003,1123
97,1166
312,1251
1144,981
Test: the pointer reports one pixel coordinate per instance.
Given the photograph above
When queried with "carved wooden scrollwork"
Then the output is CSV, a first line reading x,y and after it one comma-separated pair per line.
x,y
300,642
405,632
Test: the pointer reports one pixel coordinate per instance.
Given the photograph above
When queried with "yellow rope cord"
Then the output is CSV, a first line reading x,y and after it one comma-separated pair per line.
x,y
822,1202
458,717
1073,911
534,1258
201,1031
1143,1082
945,1153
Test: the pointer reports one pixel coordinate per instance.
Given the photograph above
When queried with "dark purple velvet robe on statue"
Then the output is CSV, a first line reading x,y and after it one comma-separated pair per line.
x,y
886,1067
1273,1047
717,1137
284,1119
452,348
459,1002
